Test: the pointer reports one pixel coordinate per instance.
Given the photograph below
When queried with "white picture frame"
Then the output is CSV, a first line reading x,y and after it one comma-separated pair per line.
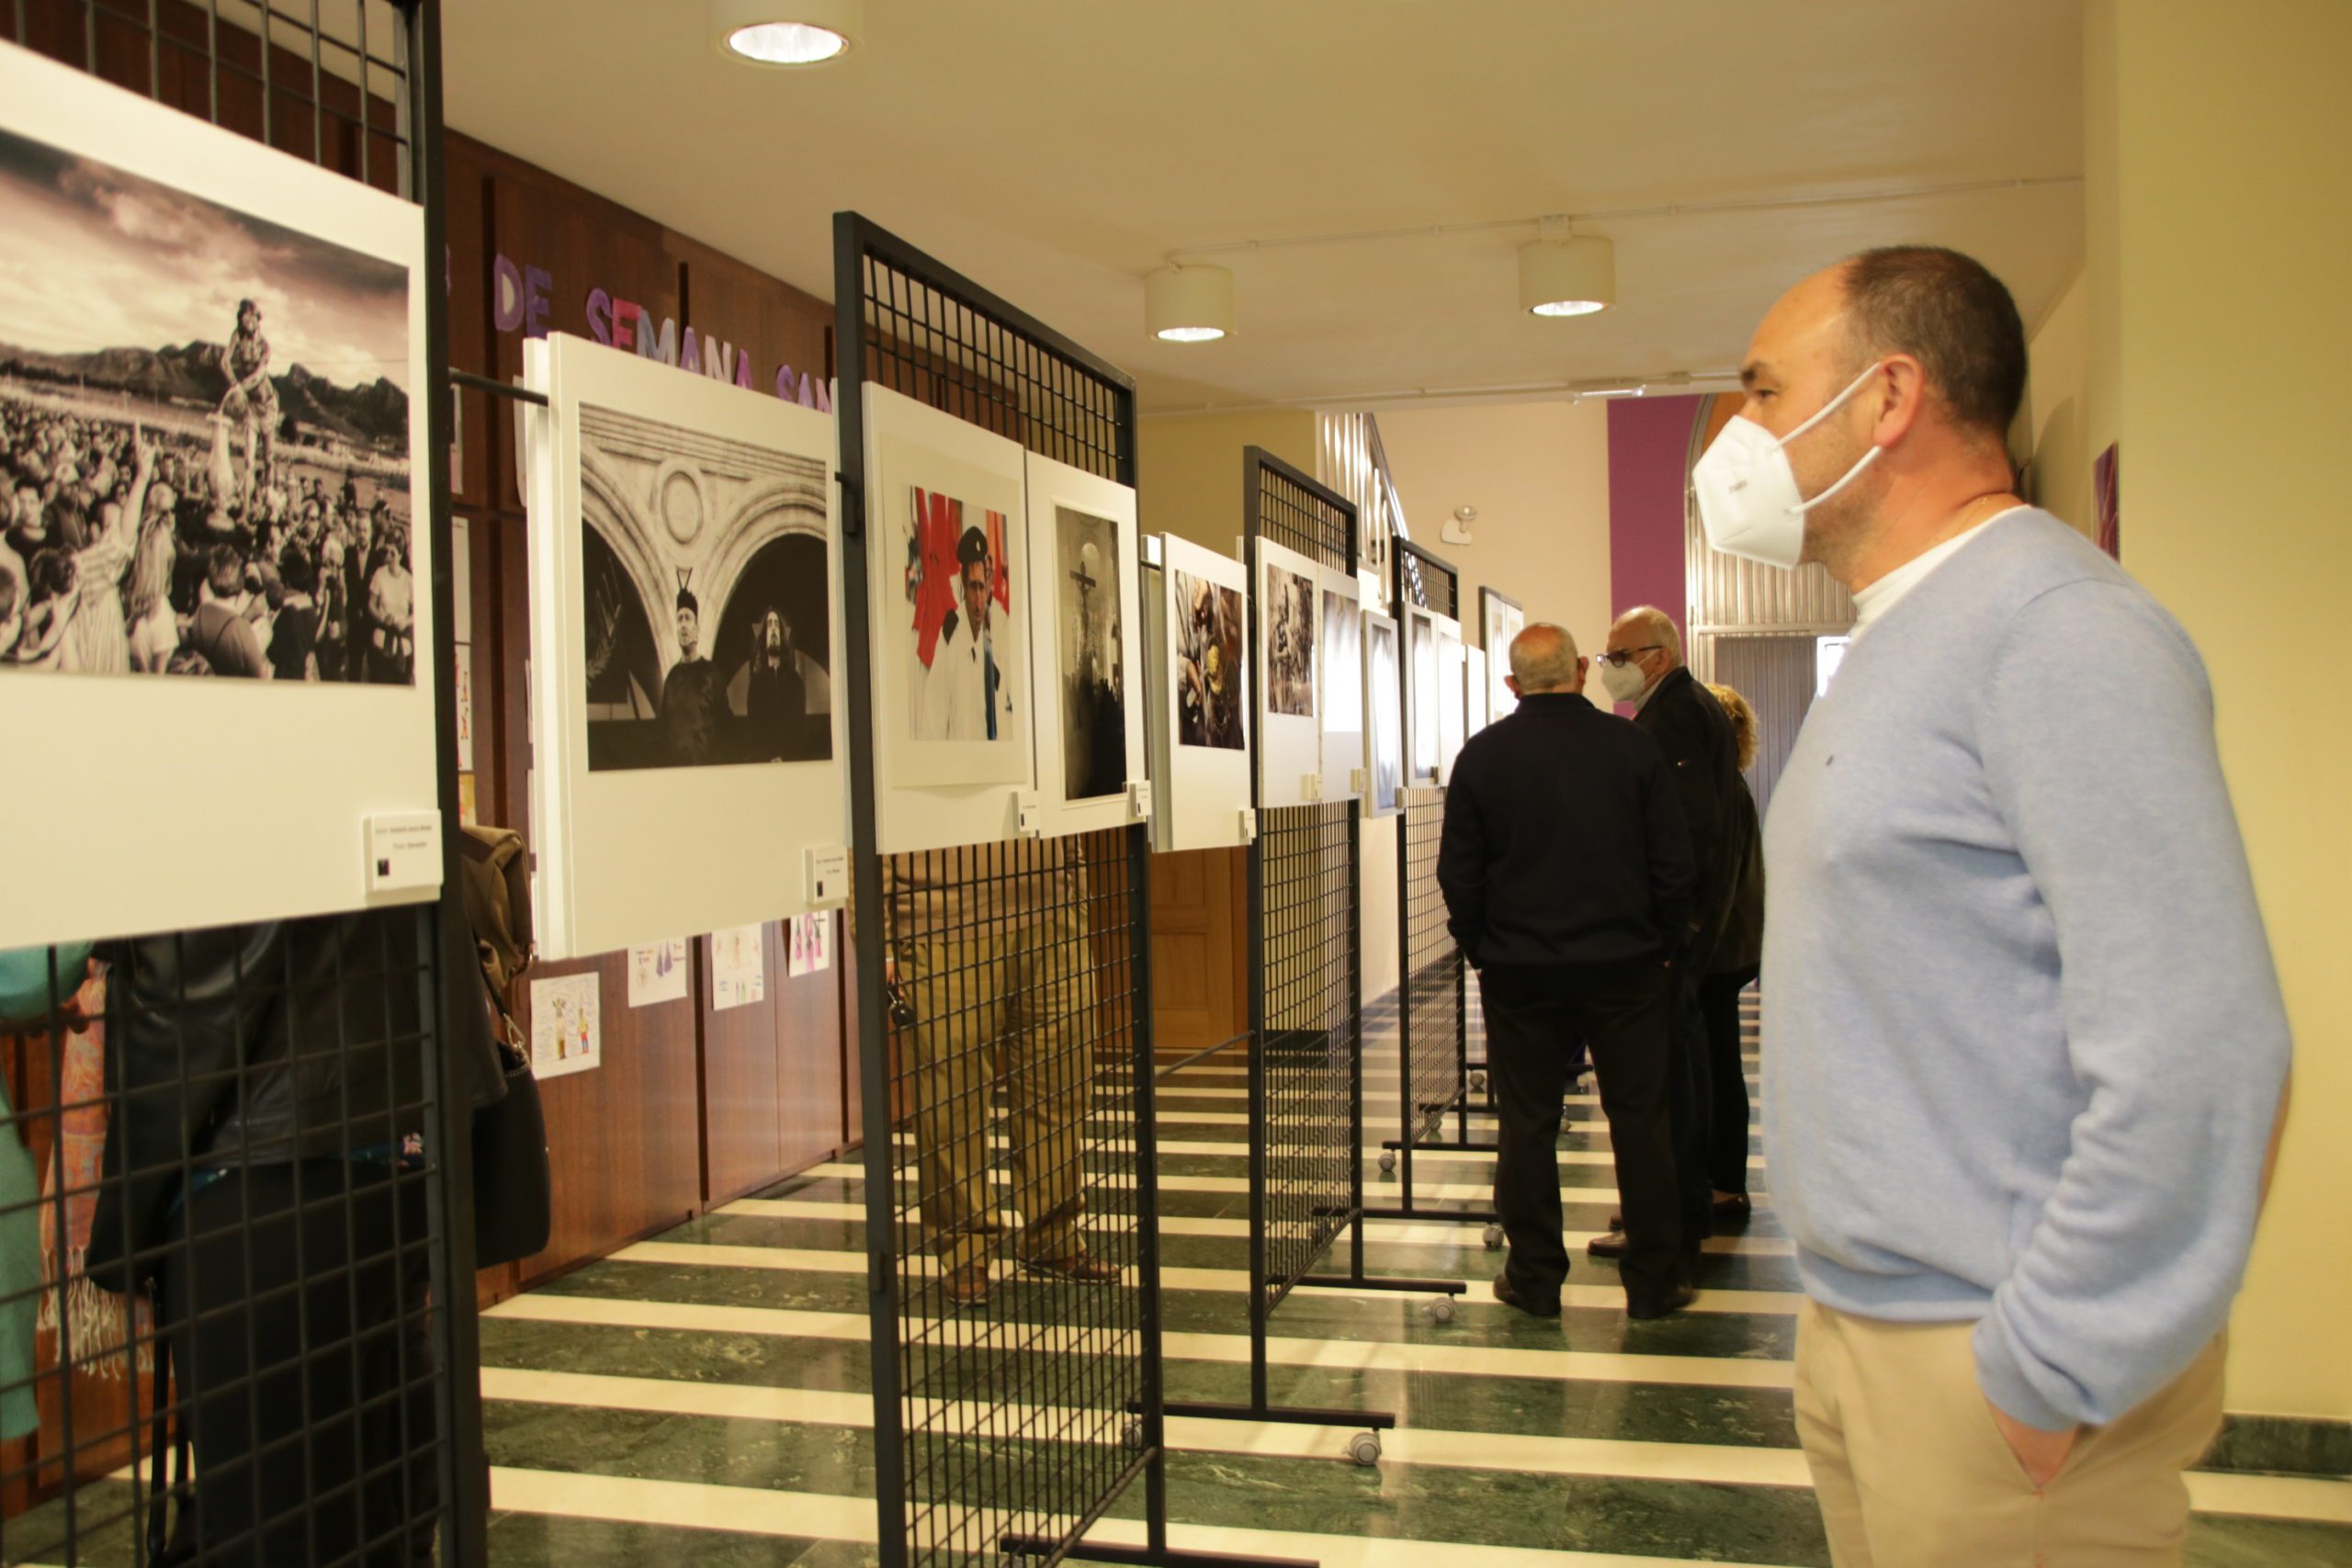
x,y
630,854
1070,510
338,755
1205,804
1474,691
1384,730
1287,615
939,794
1424,749
1452,723
1500,618
1340,707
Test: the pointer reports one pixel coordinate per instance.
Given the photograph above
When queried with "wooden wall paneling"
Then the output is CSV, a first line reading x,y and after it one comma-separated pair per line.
x,y
740,1130
853,1076
624,1138
808,1058
582,243
465,178
1200,992
746,312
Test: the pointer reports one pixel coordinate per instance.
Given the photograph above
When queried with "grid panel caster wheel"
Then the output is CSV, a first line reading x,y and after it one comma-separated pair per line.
x,y
1478,1083
1364,1449
1440,1310
1133,1436
1493,1237
1388,1162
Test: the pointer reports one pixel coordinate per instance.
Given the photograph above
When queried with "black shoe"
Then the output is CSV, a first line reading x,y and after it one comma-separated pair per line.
x,y
1508,1293
1614,1244
1733,1213
1682,1297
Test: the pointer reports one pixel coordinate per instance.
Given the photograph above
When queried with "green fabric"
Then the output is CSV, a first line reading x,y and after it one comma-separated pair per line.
x,y
24,979
20,1275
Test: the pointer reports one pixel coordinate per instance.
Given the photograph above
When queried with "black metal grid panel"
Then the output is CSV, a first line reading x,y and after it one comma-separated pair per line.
x,y
1016,1078
1304,996
1430,1009
233,1168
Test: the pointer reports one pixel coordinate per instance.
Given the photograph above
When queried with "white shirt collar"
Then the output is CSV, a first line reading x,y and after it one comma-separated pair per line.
x,y
1872,604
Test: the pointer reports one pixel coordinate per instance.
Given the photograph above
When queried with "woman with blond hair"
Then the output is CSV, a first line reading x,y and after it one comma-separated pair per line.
x,y
1731,970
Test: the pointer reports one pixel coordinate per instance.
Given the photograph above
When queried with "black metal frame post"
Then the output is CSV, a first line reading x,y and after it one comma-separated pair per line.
x,y
1315,846
1427,581
900,314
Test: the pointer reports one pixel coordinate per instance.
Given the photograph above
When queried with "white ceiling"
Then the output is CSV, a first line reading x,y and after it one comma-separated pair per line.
x,y
1057,150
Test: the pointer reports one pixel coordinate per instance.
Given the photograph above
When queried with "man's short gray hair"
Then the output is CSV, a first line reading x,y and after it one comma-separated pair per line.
x,y
1544,657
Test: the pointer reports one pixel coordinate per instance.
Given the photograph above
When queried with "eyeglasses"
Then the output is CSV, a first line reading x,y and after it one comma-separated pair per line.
x,y
1625,656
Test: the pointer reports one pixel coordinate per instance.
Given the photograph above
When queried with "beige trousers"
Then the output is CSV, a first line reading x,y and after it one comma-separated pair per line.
x,y
1911,1471
1012,1009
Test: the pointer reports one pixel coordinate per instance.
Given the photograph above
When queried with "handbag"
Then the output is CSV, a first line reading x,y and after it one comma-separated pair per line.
x,y
514,1189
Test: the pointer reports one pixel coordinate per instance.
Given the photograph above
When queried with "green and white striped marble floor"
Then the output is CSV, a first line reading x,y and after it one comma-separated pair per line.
x,y
701,1398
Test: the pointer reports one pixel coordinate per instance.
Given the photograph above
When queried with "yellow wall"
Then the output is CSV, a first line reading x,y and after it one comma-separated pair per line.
x,y
2219,140
1188,469
2054,431
1538,473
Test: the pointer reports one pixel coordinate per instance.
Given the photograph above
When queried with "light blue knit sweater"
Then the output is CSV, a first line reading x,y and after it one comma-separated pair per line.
x,y
2023,1041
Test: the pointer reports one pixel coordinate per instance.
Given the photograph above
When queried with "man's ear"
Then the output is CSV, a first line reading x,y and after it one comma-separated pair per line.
x,y
1513,682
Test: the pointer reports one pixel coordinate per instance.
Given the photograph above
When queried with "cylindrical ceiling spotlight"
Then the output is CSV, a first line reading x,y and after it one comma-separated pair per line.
x,y
1189,304
787,34
1571,276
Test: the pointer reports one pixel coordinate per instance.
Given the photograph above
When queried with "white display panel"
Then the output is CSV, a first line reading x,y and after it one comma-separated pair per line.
x,y
942,778
1424,688
130,237
1384,730
1451,723
1086,647
1501,619
1290,655
1206,710
1474,691
685,580
1340,669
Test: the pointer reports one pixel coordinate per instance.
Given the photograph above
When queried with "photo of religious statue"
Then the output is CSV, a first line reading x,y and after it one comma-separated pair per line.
x,y
1093,682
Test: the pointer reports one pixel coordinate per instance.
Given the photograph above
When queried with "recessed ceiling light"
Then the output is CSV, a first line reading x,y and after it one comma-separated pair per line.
x,y
1573,276
1188,304
787,33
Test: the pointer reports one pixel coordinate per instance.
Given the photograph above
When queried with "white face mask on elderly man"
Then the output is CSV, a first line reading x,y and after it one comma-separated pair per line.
x,y
1747,493
1624,682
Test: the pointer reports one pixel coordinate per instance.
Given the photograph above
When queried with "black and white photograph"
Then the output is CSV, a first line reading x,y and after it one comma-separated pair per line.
x,y
1421,690
1208,635
1290,643
706,610
1093,680
1503,620
1343,662
959,588
204,436
1385,714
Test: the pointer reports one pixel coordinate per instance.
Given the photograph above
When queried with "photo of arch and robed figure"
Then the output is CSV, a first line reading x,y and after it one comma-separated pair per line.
x,y
204,436
706,599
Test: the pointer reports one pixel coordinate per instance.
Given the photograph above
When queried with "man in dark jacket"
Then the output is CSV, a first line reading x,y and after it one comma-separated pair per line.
x,y
1567,878
1644,666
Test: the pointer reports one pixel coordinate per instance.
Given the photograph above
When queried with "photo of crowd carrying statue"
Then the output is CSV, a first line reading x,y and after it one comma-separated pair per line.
x,y
204,436
1208,635
723,659
1290,643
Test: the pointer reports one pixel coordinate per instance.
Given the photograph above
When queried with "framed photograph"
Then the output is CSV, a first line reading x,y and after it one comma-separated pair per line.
x,y
1203,703
1474,691
1342,670
955,736
212,365
1501,619
685,563
1088,650
1290,739
1384,730
1422,747
1452,717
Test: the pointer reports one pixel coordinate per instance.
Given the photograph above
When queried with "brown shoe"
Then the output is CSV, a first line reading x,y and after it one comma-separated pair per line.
x,y
1079,1268
1609,1245
966,1286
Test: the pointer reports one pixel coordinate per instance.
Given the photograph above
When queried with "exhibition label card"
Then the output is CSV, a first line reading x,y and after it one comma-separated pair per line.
x,y
567,1034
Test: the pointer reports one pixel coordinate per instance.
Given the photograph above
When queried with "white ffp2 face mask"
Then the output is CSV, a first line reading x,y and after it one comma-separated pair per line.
x,y
1624,682
1747,493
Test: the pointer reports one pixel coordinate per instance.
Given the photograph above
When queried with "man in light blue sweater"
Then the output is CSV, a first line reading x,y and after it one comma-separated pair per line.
x,y
2024,1050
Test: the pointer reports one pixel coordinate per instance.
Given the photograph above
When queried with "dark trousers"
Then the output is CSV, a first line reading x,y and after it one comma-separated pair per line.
x,y
1691,1107
302,1367
1532,1019
1727,1140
